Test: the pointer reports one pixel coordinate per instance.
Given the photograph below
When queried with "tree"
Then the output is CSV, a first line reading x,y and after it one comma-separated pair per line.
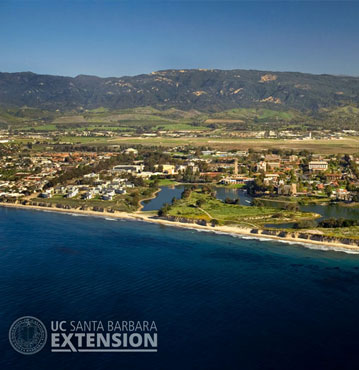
x,y
304,224
186,193
214,222
328,190
257,203
155,183
200,202
292,207
163,211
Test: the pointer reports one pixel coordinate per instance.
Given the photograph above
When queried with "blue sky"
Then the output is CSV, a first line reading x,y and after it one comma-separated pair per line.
x,y
116,38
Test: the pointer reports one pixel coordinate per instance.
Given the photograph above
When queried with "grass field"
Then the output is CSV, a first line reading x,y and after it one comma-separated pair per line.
x,y
167,182
148,119
346,145
118,203
175,119
212,208
257,114
342,232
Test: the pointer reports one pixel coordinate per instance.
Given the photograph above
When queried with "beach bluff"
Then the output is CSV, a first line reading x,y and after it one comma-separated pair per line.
x,y
280,192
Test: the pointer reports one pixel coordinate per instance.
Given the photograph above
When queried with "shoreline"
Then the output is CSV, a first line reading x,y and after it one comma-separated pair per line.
x,y
228,230
140,206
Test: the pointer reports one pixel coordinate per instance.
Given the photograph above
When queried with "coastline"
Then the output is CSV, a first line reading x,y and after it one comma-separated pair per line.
x,y
153,196
228,230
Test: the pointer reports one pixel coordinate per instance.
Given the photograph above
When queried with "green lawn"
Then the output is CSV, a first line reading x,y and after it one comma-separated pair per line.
x,y
46,128
117,203
342,232
231,186
259,114
167,182
180,127
213,208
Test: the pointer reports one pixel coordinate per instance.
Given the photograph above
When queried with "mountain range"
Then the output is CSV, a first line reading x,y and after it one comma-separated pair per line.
x,y
204,90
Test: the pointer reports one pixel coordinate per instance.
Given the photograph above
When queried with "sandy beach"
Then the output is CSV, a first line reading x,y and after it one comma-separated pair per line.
x,y
230,230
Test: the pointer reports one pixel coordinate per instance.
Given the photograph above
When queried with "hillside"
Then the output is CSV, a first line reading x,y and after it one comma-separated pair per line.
x,y
207,90
236,96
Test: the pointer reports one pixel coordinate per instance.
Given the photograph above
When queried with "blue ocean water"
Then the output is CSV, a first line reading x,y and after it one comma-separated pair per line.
x,y
219,302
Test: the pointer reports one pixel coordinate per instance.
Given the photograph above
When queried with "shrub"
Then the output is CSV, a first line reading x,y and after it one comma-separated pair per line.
x,y
214,222
305,224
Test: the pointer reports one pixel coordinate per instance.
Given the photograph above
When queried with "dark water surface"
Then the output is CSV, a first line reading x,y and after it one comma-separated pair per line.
x,y
165,195
219,302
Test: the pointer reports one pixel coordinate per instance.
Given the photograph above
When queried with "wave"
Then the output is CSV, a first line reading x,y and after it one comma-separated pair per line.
x,y
321,247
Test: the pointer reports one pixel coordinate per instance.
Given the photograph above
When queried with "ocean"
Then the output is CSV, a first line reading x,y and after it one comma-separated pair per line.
x,y
219,302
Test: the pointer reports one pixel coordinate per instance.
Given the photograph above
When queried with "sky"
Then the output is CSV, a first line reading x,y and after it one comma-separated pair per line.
x,y
117,38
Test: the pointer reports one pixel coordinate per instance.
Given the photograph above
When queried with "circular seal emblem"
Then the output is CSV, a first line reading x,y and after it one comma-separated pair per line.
x,y
27,335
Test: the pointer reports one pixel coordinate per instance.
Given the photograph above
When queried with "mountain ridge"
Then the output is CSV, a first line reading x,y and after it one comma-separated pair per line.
x,y
207,90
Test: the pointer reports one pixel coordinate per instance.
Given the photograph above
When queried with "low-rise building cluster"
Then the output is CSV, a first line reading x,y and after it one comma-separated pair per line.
x,y
44,174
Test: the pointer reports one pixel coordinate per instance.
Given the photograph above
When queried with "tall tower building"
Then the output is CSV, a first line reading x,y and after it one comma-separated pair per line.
x,y
236,166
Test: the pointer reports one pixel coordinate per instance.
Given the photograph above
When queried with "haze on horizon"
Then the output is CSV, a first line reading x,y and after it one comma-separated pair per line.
x,y
113,39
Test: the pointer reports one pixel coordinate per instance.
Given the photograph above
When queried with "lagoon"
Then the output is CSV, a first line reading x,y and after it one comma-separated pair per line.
x,y
326,211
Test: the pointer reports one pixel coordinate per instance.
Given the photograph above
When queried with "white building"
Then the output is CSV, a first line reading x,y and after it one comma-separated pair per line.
x,y
73,192
261,166
129,168
318,166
